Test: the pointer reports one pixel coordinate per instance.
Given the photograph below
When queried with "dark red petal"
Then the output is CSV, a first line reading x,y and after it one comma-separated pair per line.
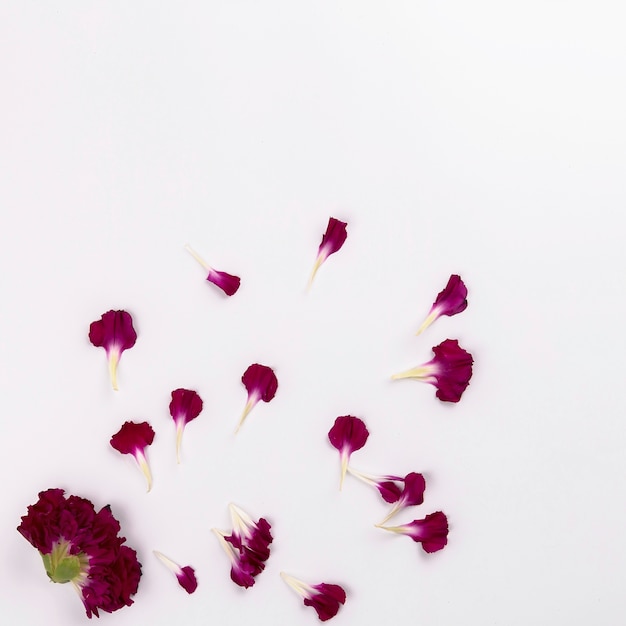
x,y
185,404
348,432
114,328
334,237
241,573
414,487
327,600
226,282
389,491
452,299
261,380
432,531
454,370
187,579
132,436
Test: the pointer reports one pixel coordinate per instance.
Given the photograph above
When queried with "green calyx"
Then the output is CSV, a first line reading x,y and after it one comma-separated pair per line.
x,y
63,567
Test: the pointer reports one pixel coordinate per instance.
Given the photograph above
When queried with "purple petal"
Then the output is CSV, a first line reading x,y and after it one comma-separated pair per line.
x,y
113,329
348,433
414,487
186,405
453,298
226,282
327,600
454,370
115,333
334,237
132,436
261,381
389,491
431,531
187,579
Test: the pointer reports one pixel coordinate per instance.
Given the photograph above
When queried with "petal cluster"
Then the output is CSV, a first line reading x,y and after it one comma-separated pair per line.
x,y
347,435
325,598
115,333
133,438
185,406
261,384
82,546
248,546
450,371
332,240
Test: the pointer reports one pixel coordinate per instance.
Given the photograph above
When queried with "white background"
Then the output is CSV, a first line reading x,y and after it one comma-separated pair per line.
x,y
480,138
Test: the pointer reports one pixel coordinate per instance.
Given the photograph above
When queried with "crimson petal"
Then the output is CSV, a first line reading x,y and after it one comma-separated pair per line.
x,y
115,333
332,241
347,435
185,406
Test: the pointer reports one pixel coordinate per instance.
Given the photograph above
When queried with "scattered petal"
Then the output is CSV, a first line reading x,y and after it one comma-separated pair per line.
x,y
450,301
450,371
228,283
348,434
133,438
115,333
185,406
261,384
412,493
325,598
185,575
431,532
241,569
82,546
387,486
332,240
247,546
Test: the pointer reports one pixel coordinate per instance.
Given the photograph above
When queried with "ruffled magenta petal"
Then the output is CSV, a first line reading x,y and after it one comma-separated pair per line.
x,y
326,600
453,298
132,436
389,491
260,380
187,579
228,283
414,487
185,405
113,329
453,370
348,433
334,237
432,531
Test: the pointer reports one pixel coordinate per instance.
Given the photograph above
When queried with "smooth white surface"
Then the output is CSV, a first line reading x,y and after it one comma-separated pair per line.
x,y
481,138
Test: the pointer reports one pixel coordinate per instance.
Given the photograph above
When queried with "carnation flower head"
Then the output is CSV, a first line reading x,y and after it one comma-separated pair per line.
x,y
325,598
450,301
450,371
81,546
115,333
